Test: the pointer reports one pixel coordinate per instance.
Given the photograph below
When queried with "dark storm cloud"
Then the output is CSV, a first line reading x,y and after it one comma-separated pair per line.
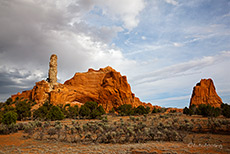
x,y
30,31
11,78
13,81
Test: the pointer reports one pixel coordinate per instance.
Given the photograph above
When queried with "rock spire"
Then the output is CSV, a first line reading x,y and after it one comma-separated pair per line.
x,y
205,93
52,79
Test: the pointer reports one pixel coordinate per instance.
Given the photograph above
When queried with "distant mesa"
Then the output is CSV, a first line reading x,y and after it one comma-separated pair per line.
x,y
105,86
205,93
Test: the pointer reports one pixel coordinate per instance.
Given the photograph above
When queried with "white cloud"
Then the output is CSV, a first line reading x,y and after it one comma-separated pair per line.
x,y
173,84
173,2
177,44
182,69
143,37
127,10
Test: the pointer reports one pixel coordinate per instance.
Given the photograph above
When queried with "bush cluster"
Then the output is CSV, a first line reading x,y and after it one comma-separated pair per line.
x,y
48,112
135,131
225,110
9,117
127,110
91,110
208,110
22,110
159,110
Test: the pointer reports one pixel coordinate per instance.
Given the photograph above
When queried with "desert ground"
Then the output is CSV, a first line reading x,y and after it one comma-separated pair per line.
x,y
202,135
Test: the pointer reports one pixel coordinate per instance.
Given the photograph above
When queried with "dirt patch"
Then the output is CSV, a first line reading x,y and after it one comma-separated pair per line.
x,y
195,143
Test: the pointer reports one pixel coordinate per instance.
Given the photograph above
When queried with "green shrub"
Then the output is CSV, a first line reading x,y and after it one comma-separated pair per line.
x,y
91,105
84,111
154,110
42,111
9,118
55,113
94,114
9,101
91,110
73,112
7,108
186,110
208,110
125,110
101,109
140,110
225,110
23,109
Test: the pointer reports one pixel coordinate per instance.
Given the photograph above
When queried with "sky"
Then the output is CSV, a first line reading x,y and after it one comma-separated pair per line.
x,y
164,47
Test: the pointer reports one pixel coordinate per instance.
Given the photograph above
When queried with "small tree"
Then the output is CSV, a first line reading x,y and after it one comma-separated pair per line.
x,y
154,110
55,113
225,110
125,109
140,110
208,110
91,105
23,109
84,111
186,111
96,113
91,110
72,112
192,109
42,111
101,109
9,118
8,101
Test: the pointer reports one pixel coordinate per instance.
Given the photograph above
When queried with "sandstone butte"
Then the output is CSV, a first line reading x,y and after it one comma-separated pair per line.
x,y
105,86
205,93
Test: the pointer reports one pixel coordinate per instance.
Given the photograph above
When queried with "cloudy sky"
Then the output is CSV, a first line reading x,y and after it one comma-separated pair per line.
x,y
164,47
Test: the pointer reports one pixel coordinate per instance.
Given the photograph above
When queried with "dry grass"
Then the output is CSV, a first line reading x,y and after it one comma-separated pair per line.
x,y
200,136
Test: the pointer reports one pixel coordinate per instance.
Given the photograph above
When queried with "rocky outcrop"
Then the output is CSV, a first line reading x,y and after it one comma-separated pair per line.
x,y
205,93
52,79
105,86
39,94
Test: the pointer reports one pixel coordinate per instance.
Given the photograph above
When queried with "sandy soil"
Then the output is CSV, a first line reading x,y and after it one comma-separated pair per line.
x,y
193,143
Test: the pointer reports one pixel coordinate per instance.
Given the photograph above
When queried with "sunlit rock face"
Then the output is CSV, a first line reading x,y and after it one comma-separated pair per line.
x,y
205,93
52,79
105,86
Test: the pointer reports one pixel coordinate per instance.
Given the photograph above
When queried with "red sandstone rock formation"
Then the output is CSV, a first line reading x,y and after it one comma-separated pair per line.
x,y
106,86
205,93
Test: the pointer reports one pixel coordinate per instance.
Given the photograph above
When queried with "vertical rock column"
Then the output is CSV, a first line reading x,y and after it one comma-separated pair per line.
x,y
53,71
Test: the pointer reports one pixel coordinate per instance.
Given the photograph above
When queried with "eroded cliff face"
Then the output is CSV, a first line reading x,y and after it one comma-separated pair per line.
x,y
205,93
105,86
